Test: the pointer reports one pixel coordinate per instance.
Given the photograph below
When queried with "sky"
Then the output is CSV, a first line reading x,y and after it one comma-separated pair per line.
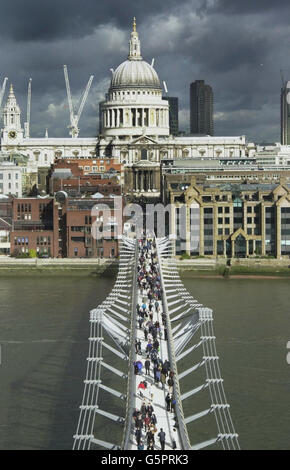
x,y
236,46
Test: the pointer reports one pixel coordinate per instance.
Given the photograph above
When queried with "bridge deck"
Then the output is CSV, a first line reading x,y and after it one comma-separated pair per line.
x,y
154,394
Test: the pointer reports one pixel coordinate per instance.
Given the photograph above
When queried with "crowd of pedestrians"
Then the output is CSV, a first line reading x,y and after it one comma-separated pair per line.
x,y
156,372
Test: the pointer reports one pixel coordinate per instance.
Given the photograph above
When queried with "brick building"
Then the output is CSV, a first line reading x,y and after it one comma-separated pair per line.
x,y
79,219
77,177
35,226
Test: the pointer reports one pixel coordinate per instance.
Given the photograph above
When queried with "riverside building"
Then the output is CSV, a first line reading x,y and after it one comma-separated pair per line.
x,y
230,220
60,227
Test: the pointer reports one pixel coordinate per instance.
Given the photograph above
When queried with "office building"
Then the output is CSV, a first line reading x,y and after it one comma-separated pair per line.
x,y
201,108
285,114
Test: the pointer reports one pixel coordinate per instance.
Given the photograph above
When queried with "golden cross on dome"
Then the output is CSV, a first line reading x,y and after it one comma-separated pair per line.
x,y
134,25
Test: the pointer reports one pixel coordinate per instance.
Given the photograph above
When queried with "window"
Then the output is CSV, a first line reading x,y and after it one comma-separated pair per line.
x,y
220,210
144,154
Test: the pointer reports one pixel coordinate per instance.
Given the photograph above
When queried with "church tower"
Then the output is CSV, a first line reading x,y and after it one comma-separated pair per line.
x,y
12,131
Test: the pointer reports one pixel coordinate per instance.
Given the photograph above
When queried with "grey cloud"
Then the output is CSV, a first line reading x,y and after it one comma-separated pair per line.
x,y
236,46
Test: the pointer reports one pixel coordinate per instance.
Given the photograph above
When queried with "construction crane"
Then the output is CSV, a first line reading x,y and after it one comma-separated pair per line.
x,y
2,92
27,123
74,118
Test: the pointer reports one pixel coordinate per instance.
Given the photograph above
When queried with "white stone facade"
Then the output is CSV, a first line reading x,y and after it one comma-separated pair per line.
x,y
10,179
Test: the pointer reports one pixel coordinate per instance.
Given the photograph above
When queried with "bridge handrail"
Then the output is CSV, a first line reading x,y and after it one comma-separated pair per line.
x,y
131,385
182,428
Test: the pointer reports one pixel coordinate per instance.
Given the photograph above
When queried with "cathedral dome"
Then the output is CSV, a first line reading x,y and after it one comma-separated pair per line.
x,y
135,73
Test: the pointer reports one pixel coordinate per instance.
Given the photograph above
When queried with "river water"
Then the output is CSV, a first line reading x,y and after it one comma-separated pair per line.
x,y
43,337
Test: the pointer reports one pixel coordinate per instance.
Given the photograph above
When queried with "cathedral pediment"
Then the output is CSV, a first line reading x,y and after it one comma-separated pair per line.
x,y
145,163
144,140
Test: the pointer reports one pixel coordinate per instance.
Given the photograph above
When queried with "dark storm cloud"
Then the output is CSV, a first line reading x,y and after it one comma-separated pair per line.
x,y
26,20
236,46
246,7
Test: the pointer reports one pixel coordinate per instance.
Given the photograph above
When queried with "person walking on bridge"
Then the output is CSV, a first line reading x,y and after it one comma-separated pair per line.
x,y
168,401
161,436
147,366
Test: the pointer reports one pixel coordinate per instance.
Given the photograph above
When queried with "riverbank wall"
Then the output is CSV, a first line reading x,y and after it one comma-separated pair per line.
x,y
195,267
80,266
234,267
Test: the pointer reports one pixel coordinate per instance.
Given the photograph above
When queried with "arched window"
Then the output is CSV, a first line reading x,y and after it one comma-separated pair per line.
x,y
144,154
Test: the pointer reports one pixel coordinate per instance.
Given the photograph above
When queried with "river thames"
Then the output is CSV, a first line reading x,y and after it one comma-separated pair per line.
x,y
44,333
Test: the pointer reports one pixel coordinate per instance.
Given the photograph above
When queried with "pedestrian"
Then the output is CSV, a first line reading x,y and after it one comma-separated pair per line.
x,y
153,419
173,403
150,445
161,436
136,346
150,410
174,446
158,376
168,401
138,435
147,422
170,383
141,445
150,436
139,347
147,366
163,380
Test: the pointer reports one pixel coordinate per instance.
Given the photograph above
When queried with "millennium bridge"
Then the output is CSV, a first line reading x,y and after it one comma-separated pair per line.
x,y
122,402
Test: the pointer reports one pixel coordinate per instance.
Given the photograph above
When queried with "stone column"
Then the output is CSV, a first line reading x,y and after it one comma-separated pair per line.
x,y
142,180
215,230
247,248
263,228
278,231
233,248
201,233
118,118
142,117
172,226
188,228
134,180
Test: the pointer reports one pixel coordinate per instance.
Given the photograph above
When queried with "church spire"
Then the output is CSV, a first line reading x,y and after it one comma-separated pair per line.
x,y
135,48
